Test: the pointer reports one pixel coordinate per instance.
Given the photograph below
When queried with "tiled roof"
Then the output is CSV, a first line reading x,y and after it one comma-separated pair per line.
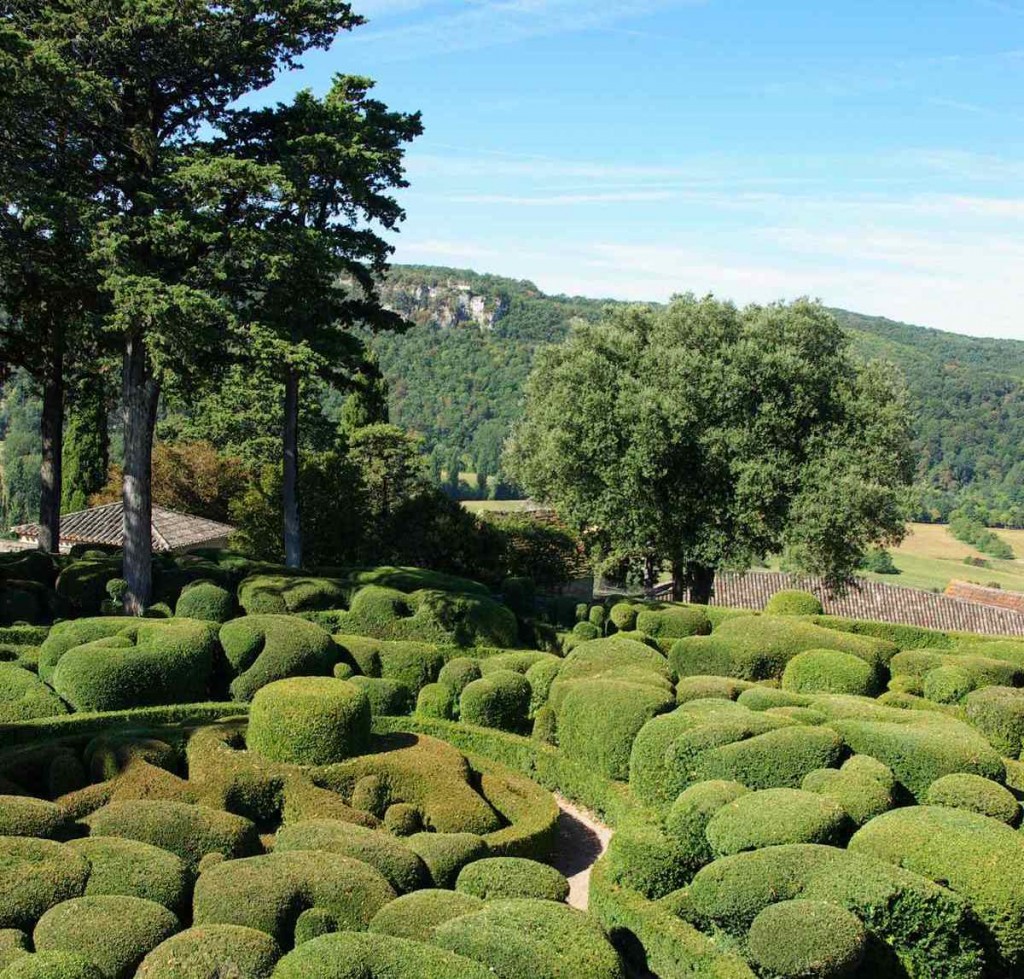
x,y
172,531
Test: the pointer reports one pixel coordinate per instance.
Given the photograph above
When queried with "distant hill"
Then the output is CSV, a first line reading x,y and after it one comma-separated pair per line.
x,y
457,377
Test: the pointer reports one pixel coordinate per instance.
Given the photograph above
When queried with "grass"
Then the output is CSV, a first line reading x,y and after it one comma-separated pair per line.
x,y
496,506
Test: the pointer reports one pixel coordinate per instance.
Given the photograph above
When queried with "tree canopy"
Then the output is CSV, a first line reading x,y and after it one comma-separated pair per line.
x,y
702,435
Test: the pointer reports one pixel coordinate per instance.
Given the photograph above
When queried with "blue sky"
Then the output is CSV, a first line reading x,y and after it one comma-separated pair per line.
x,y
867,153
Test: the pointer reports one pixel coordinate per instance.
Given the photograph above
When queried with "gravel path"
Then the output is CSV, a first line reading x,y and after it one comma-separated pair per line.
x,y
580,840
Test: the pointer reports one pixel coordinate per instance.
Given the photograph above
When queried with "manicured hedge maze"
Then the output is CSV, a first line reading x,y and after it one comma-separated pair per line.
x,y
792,795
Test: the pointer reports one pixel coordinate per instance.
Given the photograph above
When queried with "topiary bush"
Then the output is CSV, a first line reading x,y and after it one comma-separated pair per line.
x,y
115,933
260,649
402,868
501,700
22,815
205,600
998,713
673,622
706,687
212,952
586,630
37,875
808,939
829,671
402,819
947,684
388,698
436,700
458,673
24,696
793,602
445,854
773,817
272,893
975,794
512,877
52,965
623,615
309,721
861,796
413,664
416,916
541,675
286,594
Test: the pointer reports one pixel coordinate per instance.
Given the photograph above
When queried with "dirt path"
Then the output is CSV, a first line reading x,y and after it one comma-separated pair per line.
x,y
580,840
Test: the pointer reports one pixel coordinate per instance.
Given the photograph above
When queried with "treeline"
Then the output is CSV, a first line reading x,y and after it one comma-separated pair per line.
x,y
461,385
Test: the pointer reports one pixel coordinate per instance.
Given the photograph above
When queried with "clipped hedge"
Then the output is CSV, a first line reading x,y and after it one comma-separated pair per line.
x,y
445,854
286,594
413,664
812,939
417,916
673,622
792,601
436,700
512,877
37,875
212,952
860,795
387,697
24,696
52,965
829,671
975,794
501,699
23,815
458,673
998,713
205,600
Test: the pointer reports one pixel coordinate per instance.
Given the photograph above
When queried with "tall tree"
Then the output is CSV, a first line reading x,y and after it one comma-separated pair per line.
x,y
316,261
161,75
702,435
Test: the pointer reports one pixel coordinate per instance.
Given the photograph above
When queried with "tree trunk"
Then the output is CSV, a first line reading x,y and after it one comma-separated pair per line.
x,y
650,574
52,430
292,521
678,582
141,394
702,583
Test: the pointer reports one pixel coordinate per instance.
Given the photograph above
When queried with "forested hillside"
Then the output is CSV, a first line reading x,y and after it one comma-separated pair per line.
x,y
456,378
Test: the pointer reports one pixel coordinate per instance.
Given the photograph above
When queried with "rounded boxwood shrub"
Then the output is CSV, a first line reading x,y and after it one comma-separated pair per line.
x,y
975,856
541,676
263,648
829,671
998,712
14,944
647,860
773,817
673,623
807,940
458,673
870,768
792,601
597,615
213,952
598,721
189,831
501,699
413,664
117,663
512,877
52,965
975,794
134,869
690,814
113,932
205,600
23,696
436,700
947,684
402,868
388,698
416,916
706,687
861,796
533,938
586,630
445,854
272,892
286,594
22,815
402,819
37,874
309,721
359,956
623,615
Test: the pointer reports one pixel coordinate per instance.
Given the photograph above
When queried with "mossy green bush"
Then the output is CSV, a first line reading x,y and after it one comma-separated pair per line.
x,y
115,933
414,664
187,830
674,622
618,657
998,713
135,869
977,857
286,594
623,615
929,929
309,721
598,720
24,696
861,796
23,815
975,794
458,673
687,820
773,817
115,663
82,584
982,671
205,600
541,675
597,615
870,768
533,938
807,940
704,687
496,878
445,854
52,965
758,647
501,699
14,944
586,630
793,602
402,868
416,916
516,660
263,648
212,952
272,892
947,685
387,697
402,819
829,671
359,956
436,700
37,875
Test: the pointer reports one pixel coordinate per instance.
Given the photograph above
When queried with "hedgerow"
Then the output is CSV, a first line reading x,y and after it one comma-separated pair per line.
x,y
212,952
815,939
512,877
263,648
793,602
113,932
975,794
271,893
416,916
309,720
